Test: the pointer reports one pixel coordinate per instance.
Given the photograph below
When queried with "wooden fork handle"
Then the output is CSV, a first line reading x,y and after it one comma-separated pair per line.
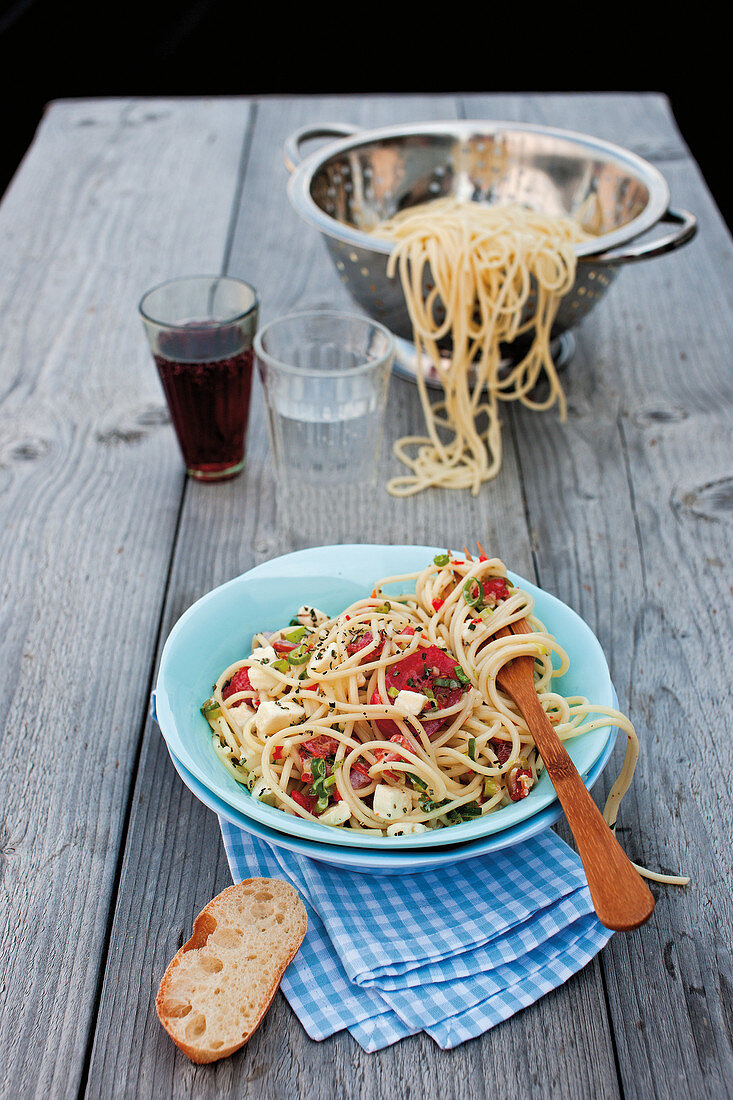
x,y
621,898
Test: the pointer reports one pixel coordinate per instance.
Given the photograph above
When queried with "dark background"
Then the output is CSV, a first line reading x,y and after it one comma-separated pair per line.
x,y
51,50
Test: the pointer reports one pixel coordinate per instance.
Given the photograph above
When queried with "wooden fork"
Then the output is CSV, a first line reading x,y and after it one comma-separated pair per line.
x,y
621,898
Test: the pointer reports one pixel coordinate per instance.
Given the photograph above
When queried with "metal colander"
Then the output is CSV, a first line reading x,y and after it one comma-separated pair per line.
x,y
352,183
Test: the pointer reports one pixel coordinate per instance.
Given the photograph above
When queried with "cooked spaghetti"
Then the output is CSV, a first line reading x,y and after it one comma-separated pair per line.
x,y
387,718
481,276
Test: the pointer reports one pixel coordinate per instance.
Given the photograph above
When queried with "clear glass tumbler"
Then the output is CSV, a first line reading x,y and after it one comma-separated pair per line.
x,y
325,376
201,331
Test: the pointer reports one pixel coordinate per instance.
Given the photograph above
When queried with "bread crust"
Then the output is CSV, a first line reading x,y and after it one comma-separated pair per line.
x,y
231,913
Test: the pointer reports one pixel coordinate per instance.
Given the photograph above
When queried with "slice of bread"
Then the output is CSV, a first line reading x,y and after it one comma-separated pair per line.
x,y
217,989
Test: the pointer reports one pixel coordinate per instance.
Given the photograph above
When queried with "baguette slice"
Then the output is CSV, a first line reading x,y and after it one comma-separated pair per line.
x,y
217,989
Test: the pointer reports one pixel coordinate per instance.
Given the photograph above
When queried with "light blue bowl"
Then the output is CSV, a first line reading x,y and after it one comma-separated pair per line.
x,y
370,862
218,629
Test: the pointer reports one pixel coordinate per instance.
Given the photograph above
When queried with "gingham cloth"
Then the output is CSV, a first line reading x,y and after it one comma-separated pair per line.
x,y
450,952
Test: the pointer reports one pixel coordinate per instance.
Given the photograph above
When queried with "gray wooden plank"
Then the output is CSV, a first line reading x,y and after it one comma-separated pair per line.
x,y
224,530
631,506
90,489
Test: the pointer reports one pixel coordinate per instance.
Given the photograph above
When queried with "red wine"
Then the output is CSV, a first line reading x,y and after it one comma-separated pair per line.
x,y
207,379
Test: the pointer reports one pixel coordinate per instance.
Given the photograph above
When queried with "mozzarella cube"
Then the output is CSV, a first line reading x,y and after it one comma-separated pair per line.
x,y
242,715
390,803
411,701
311,616
274,715
406,828
337,814
259,677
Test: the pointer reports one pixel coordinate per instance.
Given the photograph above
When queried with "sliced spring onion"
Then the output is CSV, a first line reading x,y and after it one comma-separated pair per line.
x,y
445,682
466,812
472,748
211,708
299,656
281,666
416,781
295,635
472,598
441,559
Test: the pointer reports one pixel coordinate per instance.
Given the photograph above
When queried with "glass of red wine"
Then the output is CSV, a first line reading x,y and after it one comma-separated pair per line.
x,y
201,330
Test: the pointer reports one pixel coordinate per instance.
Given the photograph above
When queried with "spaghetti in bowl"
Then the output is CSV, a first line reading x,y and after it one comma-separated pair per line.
x,y
446,758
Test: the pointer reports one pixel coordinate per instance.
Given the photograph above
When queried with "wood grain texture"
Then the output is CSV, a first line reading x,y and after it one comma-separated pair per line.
x,y
225,532
631,516
90,488
623,511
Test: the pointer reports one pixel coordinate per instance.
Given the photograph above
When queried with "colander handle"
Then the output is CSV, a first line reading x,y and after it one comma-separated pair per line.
x,y
687,227
292,146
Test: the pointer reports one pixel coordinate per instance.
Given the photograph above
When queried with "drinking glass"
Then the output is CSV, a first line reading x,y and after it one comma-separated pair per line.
x,y
201,330
325,376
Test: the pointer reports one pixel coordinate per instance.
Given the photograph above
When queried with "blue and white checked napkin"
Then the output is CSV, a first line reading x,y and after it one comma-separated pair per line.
x,y
450,952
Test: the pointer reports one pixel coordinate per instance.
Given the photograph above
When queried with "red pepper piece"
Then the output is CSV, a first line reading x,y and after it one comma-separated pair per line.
x,y
437,604
284,647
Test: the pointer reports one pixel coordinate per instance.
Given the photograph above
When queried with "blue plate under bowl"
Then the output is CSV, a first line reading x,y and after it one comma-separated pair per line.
x,y
218,629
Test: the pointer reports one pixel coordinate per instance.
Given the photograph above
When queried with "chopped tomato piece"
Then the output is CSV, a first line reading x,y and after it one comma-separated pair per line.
x,y
306,801
360,777
277,753
519,783
387,754
321,746
501,749
422,671
360,643
238,682
495,588
384,754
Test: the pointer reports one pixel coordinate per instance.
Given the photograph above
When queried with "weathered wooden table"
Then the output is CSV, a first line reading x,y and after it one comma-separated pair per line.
x,y
624,512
